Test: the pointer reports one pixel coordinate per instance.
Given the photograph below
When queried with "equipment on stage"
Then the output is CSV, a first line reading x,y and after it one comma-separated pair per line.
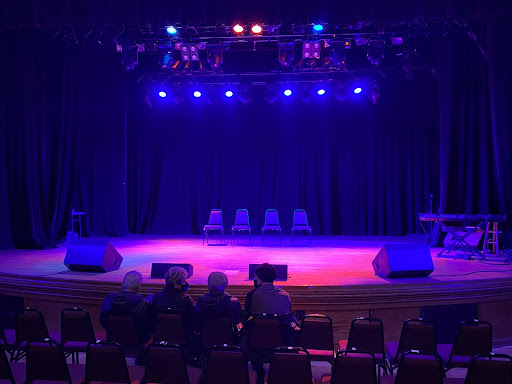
x,y
158,270
281,269
92,256
403,260
466,239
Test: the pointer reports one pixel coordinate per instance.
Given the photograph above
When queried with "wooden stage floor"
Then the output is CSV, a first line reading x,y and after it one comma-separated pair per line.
x,y
334,276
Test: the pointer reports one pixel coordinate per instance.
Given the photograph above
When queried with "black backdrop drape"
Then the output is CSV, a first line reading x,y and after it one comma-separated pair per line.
x,y
74,134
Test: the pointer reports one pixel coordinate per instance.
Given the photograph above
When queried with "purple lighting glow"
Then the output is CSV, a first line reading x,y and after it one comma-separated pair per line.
x,y
358,90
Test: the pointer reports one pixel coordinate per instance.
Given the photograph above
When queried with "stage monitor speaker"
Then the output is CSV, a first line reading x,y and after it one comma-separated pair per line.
x,y
403,260
282,271
92,256
158,270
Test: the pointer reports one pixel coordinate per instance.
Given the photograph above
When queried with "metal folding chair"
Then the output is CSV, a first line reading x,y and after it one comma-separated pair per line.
x,y
214,224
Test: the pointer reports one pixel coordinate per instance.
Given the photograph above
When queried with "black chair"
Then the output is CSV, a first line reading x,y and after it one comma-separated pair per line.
x,y
489,368
30,326
226,365
290,365
5,368
352,367
418,368
46,361
217,330
76,331
170,328
316,335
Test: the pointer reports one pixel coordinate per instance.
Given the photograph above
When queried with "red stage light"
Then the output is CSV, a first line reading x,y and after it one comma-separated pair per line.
x,y
238,28
256,29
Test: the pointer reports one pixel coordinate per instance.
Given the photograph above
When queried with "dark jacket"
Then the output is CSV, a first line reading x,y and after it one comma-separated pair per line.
x,y
220,304
172,299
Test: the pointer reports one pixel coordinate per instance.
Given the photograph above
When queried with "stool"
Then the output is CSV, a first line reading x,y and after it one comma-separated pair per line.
x,y
76,217
492,245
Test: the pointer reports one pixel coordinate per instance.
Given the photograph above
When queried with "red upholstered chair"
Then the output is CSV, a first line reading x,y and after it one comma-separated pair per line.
x,y
367,335
30,325
214,224
106,362
418,368
490,368
417,334
46,361
316,335
165,364
290,365
227,365
76,331
473,338
352,367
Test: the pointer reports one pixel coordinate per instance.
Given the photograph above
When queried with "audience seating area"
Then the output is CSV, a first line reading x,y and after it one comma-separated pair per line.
x,y
28,354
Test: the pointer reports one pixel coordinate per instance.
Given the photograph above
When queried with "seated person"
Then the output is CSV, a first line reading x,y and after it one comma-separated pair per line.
x,y
129,300
173,297
218,302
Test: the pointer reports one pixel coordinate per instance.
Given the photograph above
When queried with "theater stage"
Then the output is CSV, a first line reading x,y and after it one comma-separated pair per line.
x,y
333,277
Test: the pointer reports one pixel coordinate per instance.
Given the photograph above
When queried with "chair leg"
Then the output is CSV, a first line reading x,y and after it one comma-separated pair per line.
x,y
292,236
262,237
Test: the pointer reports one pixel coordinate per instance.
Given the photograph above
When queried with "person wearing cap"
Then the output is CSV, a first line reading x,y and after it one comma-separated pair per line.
x,y
218,302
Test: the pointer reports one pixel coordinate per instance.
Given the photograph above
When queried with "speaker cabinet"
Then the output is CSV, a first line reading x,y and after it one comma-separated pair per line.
x,y
282,271
403,260
92,256
158,270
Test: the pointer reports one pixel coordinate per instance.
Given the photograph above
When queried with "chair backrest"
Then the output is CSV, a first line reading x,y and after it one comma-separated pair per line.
x,y
106,362
265,332
290,365
165,364
352,367
490,368
271,217
420,368
242,217
76,325
226,365
316,332
216,330
125,328
300,217
30,325
215,217
5,368
169,327
46,361
366,335
473,338
417,334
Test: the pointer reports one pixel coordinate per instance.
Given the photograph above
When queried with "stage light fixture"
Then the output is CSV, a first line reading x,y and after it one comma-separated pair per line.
x,y
337,54
397,40
197,94
318,27
270,94
311,50
165,59
360,41
321,92
341,93
287,92
375,52
162,94
129,58
358,90
194,52
286,54
229,93
176,66
237,28
220,29
257,29
191,31
245,94
215,55
171,30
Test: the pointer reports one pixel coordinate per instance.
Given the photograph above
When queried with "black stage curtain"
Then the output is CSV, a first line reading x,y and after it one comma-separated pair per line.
x,y
74,134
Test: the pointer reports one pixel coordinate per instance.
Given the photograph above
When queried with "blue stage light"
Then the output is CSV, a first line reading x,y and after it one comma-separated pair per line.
x,y
197,94
229,93
162,94
287,92
318,27
321,92
172,30
358,90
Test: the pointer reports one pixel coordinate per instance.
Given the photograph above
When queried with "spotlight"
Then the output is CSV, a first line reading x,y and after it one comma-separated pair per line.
x,y
245,94
286,54
229,93
375,52
194,52
311,49
165,59
270,94
321,92
318,27
172,30
341,93
162,94
215,55
129,58
358,90
237,28
197,94
287,92
257,29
